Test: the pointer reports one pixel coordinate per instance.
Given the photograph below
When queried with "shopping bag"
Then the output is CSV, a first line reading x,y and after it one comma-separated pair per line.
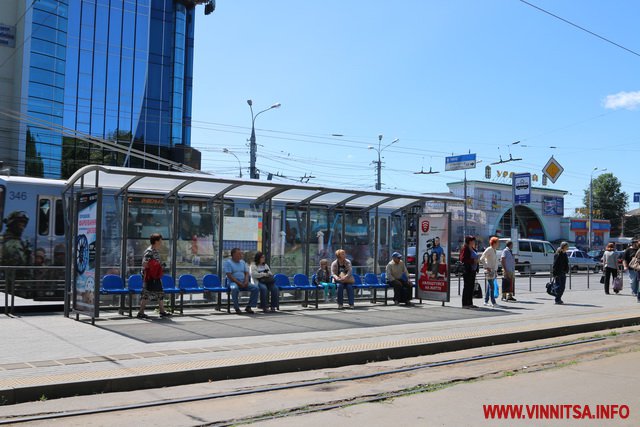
x,y
477,290
617,284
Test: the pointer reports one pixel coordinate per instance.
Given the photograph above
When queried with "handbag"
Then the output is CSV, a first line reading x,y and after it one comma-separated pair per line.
x,y
635,262
477,290
602,279
347,280
551,287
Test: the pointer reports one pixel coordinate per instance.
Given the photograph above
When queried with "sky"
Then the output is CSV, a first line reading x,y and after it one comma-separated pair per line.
x,y
445,77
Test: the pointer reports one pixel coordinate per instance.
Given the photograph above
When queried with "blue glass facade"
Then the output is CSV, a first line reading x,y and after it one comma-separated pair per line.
x,y
117,69
45,102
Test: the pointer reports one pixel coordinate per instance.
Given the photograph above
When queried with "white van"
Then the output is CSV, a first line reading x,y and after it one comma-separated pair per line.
x,y
531,255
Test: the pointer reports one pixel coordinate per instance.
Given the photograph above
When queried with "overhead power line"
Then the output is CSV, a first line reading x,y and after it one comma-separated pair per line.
x,y
581,28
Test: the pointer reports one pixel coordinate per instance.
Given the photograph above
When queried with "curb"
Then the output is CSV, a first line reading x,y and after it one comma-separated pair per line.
x,y
168,379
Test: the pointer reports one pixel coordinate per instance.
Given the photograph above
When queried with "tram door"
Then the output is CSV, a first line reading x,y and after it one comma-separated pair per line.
x,y
389,237
48,252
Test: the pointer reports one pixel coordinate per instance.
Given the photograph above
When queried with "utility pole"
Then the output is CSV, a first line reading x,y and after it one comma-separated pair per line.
x,y
379,150
253,148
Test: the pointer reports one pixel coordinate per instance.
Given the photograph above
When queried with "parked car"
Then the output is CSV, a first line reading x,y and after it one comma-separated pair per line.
x,y
580,260
531,256
410,260
596,254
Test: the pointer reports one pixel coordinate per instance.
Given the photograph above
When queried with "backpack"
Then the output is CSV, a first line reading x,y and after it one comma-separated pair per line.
x,y
464,253
153,271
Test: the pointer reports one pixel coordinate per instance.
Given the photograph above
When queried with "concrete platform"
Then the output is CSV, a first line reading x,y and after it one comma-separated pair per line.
x,y
53,356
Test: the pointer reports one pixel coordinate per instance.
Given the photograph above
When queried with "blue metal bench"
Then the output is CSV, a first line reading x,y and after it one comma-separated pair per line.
x,y
211,283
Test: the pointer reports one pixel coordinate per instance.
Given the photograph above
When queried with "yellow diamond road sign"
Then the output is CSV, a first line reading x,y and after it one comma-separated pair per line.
x,y
553,170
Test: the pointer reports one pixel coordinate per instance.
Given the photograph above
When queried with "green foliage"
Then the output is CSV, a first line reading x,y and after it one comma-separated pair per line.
x,y
34,166
609,201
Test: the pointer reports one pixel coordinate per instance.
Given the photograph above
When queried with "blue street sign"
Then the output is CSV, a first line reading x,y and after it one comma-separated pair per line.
x,y
636,197
521,188
464,161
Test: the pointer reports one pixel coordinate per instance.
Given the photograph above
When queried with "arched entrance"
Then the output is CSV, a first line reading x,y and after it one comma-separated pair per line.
x,y
528,224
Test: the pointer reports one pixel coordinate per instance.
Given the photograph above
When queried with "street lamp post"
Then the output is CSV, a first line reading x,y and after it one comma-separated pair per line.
x,y
253,173
226,150
591,203
379,162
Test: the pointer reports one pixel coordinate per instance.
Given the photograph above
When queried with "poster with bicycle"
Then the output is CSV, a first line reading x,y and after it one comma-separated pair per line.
x,y
86,285
434,249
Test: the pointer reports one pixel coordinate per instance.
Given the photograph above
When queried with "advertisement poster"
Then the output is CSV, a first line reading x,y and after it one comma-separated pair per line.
x,y
434,249
553,206
86,287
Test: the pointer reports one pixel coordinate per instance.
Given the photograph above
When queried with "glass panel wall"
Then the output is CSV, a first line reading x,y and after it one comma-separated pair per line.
x,y
197,244
242,228
318,239
357,239
148,215
288,237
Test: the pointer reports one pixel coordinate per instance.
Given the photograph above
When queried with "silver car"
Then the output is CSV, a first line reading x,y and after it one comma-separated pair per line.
x,y
580,260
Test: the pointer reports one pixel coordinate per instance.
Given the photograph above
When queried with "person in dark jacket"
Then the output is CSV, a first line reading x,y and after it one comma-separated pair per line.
x,y
560,270
469,260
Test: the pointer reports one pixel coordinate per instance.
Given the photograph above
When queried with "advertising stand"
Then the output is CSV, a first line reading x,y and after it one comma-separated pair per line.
x,y
86,247
434,250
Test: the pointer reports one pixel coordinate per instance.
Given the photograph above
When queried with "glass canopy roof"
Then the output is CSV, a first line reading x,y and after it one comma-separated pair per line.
x,y
121,180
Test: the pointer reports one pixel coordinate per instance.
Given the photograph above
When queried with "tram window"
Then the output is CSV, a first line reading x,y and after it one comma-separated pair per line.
x,y
44,216
59,224
383,231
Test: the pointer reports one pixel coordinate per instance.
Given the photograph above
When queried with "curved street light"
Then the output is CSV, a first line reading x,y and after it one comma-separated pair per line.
x,y
591,202
226,150
253,173
379,162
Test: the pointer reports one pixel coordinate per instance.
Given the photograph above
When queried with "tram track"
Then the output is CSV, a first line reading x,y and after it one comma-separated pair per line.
x,y
305,409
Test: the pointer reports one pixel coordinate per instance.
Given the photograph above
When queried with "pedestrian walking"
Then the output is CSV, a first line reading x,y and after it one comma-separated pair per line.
x,y
610,263
469,260
628,255
508,262
560,270
489,260
152,271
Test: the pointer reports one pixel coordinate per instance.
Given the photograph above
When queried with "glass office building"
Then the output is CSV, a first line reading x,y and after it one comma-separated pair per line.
x,y
119,70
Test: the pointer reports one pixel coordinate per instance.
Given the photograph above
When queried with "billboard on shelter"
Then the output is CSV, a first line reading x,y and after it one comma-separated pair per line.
x,y
86,284
434,249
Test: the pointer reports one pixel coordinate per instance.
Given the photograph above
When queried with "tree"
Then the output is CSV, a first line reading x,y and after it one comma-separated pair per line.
x,y
609,201
34,166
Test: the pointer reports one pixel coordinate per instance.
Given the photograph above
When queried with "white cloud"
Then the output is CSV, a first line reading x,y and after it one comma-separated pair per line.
x,y
628,100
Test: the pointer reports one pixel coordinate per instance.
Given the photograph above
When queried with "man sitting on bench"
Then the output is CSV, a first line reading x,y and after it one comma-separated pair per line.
x,y
398,277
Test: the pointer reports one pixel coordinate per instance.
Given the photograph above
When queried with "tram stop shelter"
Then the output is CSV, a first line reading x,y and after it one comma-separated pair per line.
x,y
112,211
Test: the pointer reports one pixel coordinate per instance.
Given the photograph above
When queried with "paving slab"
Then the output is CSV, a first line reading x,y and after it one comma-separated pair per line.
x,y
57,356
